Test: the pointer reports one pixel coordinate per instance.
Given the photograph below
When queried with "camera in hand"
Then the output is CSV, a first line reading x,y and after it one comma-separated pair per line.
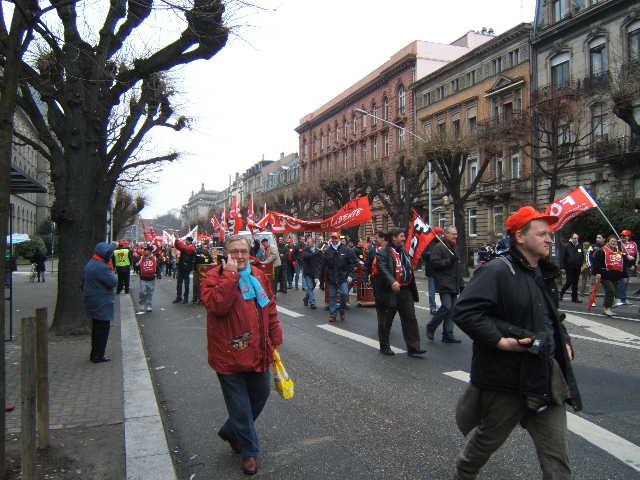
x,y
536,347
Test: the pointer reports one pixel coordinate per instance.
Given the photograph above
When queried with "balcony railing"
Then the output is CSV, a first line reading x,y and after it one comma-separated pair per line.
x,y
621,152
552,91
502,187
596,83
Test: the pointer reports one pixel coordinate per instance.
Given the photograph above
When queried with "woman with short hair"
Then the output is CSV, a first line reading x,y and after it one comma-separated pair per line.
x,y
243,329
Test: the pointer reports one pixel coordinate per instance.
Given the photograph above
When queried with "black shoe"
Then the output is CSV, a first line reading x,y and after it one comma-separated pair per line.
x,y
177,300
430,333
313,307
387,351
305,302
185,301
416,353
195,302
101,359
576,301
451,340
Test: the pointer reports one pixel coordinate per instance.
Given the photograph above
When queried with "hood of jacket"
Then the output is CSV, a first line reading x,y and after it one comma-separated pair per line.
x,y
105,250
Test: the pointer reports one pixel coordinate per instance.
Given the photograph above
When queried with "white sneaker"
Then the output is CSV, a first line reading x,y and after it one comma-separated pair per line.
x,y
627,302
593,304
618,304
149,308
608,312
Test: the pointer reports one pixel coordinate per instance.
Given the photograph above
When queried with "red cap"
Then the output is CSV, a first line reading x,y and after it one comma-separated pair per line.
x,y
626,233
438,230
527,214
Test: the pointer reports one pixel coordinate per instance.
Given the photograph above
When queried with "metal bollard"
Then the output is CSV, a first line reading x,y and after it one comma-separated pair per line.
x,y
28,398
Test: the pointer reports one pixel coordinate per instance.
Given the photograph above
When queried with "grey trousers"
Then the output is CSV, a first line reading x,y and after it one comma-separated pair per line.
x,y
489,417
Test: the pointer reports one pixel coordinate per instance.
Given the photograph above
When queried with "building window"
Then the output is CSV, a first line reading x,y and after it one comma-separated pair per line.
x,y
374,147
496,66
514,57
560,10
322,141
385,108
516,166
402,100
471,78
498,219
599,122
385,144
364,120
355,125
354,160
472,125
364,153
442,129
560,70
455,85
597,57
374,112
427,129
633,39
473,222
345,131
440,93
401,132
564,132
473,170
499,168
426,99
455,129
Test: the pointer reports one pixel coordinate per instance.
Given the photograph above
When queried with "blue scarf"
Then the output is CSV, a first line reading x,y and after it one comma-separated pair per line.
x,y
251,288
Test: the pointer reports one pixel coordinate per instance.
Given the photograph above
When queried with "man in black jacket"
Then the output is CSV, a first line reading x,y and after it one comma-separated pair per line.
x,y
395,290
446,269
572,260
311,262
520,371
339,261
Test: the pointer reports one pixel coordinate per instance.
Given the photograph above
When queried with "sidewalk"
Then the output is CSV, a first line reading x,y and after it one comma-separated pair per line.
x,y
86,399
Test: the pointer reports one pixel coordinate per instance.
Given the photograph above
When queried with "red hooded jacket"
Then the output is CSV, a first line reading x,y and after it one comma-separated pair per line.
x,y
240,335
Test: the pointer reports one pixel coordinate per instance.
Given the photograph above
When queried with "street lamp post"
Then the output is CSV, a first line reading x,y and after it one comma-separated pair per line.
x,y
418,137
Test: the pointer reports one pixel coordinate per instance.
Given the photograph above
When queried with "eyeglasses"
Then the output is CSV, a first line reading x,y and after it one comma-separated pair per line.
x,y
243,251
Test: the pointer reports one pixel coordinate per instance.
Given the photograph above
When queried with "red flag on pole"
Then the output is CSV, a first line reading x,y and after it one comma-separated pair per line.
x,y
419,238
235,216
570,206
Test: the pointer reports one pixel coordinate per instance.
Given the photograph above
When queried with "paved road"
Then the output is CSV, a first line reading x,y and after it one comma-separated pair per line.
x,y
358,414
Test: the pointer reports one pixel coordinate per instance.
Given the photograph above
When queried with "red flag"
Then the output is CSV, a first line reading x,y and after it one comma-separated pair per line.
x,y
235,216
250,211
569,207
419,238
262,223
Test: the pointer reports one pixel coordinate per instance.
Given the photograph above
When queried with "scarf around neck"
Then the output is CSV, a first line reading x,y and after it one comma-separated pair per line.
x,y
251,287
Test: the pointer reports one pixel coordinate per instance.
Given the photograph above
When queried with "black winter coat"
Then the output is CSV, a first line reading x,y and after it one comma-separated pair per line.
x,y
338,264
385,297
446,268
572,256
504,299
311,262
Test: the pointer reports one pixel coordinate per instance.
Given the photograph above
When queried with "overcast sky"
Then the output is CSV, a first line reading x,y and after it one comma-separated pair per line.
x,y
247,100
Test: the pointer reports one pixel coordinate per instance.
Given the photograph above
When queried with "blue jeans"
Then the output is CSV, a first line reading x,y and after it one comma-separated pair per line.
x,y
310,284
341,289
146,292
444,315
621,289
298,274
245,395
431,288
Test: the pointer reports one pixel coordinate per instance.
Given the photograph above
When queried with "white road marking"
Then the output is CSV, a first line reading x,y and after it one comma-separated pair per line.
x,y
625,451
602,330
289,313
357,337
615,317
600,340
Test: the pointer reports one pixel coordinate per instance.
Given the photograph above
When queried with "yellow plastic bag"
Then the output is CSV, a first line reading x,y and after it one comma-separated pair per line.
x,y
284,383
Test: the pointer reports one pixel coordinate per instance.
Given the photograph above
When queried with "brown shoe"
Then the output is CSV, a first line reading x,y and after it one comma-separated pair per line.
x,y
332,318
249,465
232,443
342,315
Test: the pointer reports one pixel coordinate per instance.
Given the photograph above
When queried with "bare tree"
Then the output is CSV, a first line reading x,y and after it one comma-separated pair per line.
x,y
126,208
70,94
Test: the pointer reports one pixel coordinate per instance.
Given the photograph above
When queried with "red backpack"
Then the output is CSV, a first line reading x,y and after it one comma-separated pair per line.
x,y
148,267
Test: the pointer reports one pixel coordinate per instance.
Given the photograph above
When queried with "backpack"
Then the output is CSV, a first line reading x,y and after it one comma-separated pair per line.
x,y
147,268
426,258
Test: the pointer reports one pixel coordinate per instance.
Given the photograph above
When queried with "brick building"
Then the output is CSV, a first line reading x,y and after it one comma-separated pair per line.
x,y
335,141
487,87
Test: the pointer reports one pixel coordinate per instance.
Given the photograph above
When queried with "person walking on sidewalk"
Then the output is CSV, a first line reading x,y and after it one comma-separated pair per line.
x,y
521,368
339,261
40,260
630,250
608,266
311,262
122,260
185,267
148,267
395,290
572,260
99,298
243,329
447,274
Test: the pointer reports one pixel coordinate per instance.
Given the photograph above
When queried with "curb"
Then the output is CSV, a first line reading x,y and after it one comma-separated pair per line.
x,y
147,454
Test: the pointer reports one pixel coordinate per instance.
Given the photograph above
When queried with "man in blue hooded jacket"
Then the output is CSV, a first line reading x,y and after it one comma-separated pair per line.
x,y
99,298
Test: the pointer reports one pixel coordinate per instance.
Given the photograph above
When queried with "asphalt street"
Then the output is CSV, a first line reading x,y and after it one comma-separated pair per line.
x,y
358,414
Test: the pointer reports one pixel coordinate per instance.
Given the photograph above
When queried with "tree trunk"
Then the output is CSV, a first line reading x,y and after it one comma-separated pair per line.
x,y
553,186
80,212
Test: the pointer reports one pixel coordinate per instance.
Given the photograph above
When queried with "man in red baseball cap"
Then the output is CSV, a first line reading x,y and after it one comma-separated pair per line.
x,y
630,249
521,366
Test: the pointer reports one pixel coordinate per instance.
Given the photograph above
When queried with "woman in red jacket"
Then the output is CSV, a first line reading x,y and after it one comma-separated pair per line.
x,y
243,328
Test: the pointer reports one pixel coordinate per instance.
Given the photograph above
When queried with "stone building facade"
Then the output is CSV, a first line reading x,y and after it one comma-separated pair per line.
x,y
335,140
200,205
581,52
486,88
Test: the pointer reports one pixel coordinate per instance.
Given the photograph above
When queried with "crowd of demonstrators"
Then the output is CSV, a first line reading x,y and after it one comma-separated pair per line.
x,y
447,273
338,267
395,291
243,329
521,367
